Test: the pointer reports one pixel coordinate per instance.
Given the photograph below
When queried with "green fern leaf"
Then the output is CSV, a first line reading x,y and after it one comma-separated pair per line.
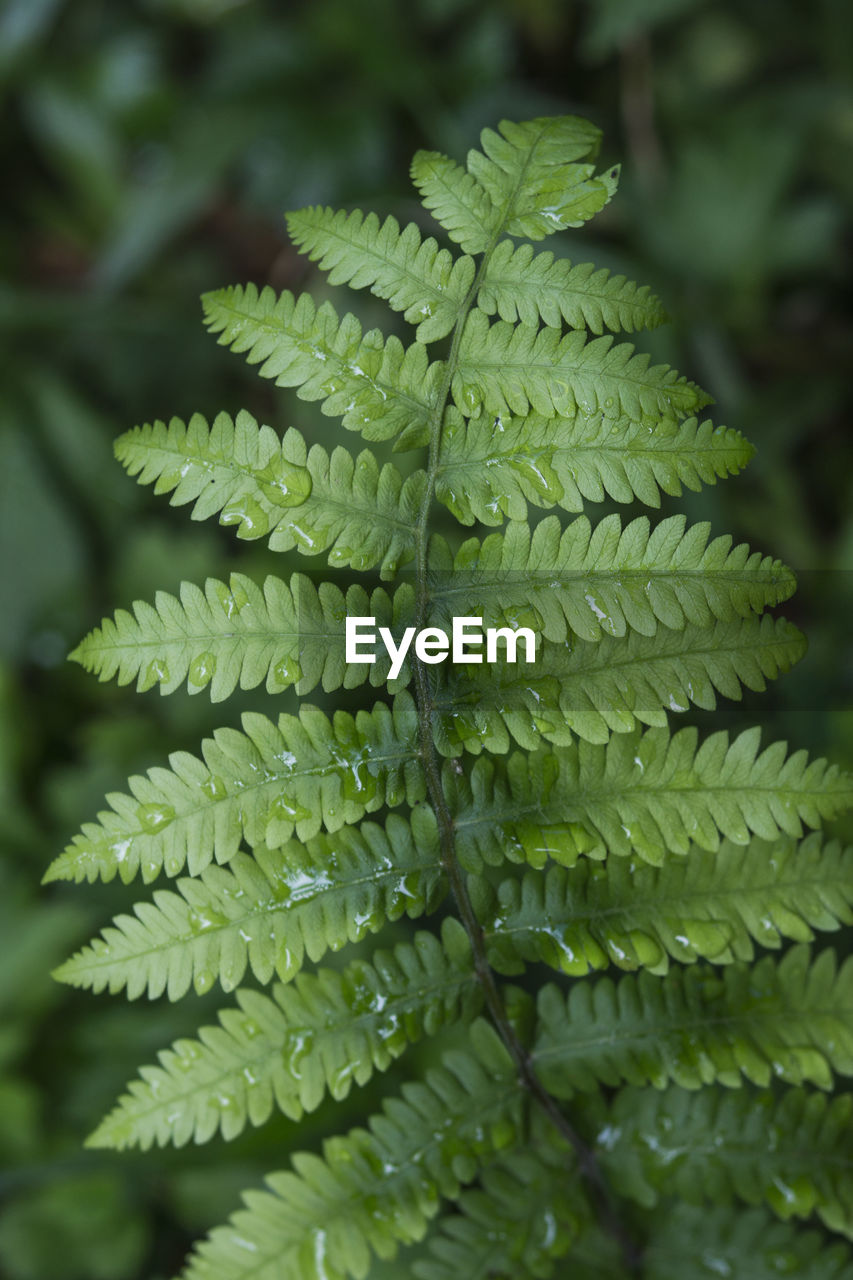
x,y
426,283
262,784
266,912
325,1032
376,1188
490,469
455,199
791,1153
594,688
375,385
523,1220
504,368
526,184
648,794
519,284
714,905
238,633
512,1225
788,1019
605,579
307,499
531,174
746,1243
681,848
723,1240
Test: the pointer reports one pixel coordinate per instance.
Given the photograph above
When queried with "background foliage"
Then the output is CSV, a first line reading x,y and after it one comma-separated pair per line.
x,y
150,149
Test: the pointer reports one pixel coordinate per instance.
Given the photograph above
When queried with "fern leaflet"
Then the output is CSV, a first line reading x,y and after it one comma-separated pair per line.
x,y
713,1143
415,276
376,386
262,785
775,1019
266,911
238,633
647,794
492,468
279,489
593,689
522,285
324,1032
604,580
715,905
506,368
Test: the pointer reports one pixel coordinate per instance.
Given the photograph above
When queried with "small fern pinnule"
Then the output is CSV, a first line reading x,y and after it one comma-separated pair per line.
x,y
536,810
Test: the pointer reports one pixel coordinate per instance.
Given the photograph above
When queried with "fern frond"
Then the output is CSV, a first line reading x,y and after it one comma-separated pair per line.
x,y
681,848
324,1033
414,275
238,633
262,784
375,1188
491,468
374,384
593,688
605,579
713,905
788,1019
267,911
791,1153
520,284
504,368
649,794
277,488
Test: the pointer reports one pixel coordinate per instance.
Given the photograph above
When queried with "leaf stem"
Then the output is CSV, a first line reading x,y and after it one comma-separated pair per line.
x,y
587,1162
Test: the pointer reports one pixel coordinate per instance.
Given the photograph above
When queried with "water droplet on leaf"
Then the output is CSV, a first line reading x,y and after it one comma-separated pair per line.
x,y
248,513
289,489
154,817
157,672
202,670
213,787
287,672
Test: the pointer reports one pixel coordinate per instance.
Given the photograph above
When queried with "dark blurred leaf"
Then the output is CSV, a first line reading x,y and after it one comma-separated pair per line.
x,y
78,1229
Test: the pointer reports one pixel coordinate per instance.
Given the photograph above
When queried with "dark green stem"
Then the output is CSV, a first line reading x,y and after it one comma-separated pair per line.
x,y
584,1154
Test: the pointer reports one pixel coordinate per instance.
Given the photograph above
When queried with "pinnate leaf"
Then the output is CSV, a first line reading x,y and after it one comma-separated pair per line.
x,y
491,468
266,912
238,633
375,385
413,274
261,785
716,905
603,580
323,1032
301,498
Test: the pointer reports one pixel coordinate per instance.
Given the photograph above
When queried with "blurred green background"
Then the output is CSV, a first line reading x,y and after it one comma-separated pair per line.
x,y
149,150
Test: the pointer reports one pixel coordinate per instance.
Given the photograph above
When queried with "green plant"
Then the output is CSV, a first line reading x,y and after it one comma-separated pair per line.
x,y
546,804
